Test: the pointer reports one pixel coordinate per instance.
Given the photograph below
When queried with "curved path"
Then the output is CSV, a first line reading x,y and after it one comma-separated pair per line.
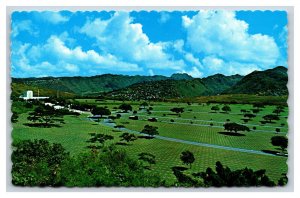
x,y
105,123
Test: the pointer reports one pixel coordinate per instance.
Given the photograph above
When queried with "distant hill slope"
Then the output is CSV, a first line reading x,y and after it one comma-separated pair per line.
x,y
166,89
163,89
87,85
271,82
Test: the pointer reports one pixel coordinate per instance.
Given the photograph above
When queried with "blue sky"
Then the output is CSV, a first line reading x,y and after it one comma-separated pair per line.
x,y
200,43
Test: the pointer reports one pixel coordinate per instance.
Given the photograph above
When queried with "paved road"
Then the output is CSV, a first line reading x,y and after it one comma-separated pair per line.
x,y
190,142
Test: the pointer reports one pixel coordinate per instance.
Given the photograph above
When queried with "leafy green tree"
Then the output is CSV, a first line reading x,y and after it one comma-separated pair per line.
x,y
101,111
215,108
226,108
280,141
112,168
147,157
177,110
125,107
144,105
150,130
99,138
235,127
14,117
224,176
46,116
249,115
128,137
255,111
270,117
37,163
277,111
187,158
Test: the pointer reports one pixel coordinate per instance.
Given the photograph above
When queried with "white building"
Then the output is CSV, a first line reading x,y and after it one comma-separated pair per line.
x,y
29,96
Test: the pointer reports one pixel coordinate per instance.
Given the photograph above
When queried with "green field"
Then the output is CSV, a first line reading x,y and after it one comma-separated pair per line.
x,y
75,132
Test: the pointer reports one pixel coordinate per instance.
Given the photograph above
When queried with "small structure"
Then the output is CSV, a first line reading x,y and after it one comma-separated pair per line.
x,y
29,96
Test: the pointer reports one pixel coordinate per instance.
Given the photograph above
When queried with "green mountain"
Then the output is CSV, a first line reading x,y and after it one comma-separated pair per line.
x,y
87,85
163,89
218,83
170,88
271,82
181,76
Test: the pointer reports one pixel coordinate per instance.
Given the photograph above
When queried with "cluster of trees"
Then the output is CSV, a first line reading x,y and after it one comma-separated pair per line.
x,y
225,108
177,110
39,163
222,176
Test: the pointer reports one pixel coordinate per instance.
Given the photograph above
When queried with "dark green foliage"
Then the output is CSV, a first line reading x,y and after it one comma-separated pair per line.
x,y
277,111
111,168
147,157
98,138
45,116
150,130
183,179
177,110
280,141
215,108
270,117
283,180
37,163
187,158
14,117
101,111
255,111
125,107
235,127
269,82
224,176
249,115
226,108
128,137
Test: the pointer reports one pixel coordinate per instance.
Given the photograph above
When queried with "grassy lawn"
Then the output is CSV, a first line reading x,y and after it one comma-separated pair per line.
x,y
75,132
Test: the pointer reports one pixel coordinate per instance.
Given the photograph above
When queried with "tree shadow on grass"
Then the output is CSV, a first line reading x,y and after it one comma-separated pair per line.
x,y
179,168
231,133
41,125
145,137
123,144
274,153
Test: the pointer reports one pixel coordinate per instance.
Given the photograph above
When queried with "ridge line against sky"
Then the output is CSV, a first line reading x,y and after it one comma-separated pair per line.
x,y
199,43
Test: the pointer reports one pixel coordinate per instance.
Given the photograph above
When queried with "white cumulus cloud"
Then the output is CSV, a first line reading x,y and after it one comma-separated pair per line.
x,y
220,33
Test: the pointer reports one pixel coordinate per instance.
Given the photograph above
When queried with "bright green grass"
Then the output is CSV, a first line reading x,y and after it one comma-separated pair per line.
x,y
74,133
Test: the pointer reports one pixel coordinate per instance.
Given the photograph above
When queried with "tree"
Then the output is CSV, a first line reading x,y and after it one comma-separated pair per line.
x,y
99,138
150,130
249,115
37,163
226,108
187,158
215,108
243,111
277,130
177,110
125,107
270,117
45,115
14,117
235,127
128,137
280,141
277,111
224,176
144,104
255,111
258,105
147,157
100,111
